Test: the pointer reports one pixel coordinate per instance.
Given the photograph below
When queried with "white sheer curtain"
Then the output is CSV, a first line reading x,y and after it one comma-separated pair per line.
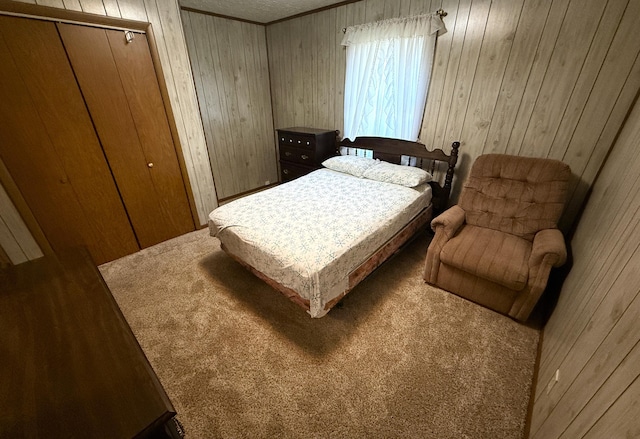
x,y
387,77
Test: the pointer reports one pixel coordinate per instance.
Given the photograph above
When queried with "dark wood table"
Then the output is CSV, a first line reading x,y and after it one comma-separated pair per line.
x,y
69,364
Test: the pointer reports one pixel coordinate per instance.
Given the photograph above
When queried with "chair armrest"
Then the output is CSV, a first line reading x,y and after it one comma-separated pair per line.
x,y
548,247
548,250
449,221
445,226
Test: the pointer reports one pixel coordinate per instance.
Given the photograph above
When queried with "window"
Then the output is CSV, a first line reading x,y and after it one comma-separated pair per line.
x,y
387,77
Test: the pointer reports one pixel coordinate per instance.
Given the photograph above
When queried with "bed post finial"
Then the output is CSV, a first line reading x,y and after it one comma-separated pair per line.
x,y
452,163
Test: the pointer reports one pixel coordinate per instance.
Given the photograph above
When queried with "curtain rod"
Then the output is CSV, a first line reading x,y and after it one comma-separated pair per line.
x,y
441,12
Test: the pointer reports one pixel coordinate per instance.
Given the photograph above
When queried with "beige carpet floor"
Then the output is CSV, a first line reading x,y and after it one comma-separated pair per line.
x,y
397,359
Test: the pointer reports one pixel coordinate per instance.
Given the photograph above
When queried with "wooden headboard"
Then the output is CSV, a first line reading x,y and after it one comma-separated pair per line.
x,y
392,150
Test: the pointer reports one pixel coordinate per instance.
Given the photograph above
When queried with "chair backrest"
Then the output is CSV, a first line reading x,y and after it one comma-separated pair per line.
x,y
517,195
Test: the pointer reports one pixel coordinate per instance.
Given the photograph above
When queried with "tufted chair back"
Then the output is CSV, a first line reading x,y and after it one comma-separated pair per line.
x,y
516,195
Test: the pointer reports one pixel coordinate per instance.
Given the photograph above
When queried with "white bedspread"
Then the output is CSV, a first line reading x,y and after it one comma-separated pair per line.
x,y
310,233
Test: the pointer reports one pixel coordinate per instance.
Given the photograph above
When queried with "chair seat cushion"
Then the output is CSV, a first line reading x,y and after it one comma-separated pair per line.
x,y
490,254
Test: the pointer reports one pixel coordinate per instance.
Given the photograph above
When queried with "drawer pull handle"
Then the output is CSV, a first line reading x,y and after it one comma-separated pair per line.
x,y
304,157
307,142
287,153
285,171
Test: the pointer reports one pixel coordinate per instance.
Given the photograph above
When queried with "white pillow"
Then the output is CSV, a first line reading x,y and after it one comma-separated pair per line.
x,y
409,176
349,164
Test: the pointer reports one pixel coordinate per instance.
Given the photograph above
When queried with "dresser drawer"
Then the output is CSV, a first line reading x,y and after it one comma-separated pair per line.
x,y
290,171
297,155
297,140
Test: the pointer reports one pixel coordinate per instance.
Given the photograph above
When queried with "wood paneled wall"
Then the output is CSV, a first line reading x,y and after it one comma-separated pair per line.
x,y
164,15
16,241
231,72
593,335
528,77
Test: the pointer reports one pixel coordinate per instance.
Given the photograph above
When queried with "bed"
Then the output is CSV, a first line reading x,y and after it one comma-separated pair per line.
x,y
316,237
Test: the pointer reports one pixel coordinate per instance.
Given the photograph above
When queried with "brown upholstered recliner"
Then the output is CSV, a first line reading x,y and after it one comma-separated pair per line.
x,y
496,247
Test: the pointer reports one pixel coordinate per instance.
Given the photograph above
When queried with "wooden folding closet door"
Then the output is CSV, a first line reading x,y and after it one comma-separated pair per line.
x,y
49,145
120,87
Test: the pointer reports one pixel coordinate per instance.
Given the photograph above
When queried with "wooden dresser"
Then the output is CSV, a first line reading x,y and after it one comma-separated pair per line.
x,y
303,150
70,366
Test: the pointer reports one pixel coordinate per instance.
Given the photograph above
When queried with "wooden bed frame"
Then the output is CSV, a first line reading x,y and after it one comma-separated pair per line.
x,y
389,150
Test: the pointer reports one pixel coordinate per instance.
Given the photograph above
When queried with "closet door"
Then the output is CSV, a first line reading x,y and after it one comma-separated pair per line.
x,y
49,145
120,87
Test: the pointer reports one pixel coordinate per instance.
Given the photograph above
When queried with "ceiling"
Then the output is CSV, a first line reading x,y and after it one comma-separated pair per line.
x,y
259,11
